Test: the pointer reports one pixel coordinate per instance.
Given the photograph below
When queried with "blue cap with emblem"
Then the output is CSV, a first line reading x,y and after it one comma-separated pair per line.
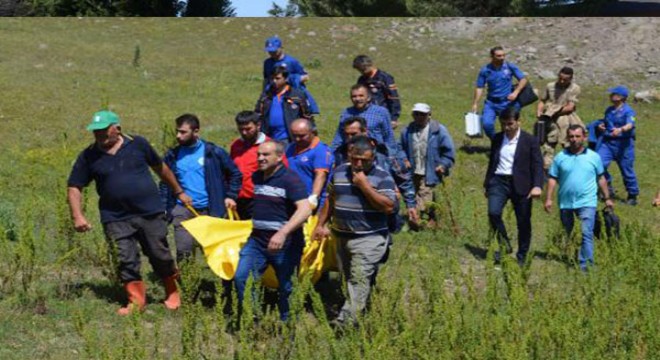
x,y
619,90
273,43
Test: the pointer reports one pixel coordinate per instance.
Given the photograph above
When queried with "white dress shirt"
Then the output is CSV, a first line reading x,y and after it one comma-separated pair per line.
x,y
507,152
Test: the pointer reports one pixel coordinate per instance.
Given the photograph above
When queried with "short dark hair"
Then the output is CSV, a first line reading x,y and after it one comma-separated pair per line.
x,y
510,113
361,61
281,70
359,86
245,117
566,71
496,48
361,144
353,119
191,119
574,127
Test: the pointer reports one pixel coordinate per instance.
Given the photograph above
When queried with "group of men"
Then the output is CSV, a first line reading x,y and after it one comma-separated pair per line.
x,y
519,162
279,172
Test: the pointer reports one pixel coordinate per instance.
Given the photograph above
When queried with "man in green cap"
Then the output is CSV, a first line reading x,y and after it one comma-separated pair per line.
x,y
129,204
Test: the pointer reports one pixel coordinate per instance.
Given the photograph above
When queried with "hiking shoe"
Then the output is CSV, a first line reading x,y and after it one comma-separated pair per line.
x,y
632,200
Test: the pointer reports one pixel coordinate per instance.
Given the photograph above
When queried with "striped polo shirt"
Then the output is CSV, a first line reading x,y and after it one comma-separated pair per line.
x,y
275,202
353,214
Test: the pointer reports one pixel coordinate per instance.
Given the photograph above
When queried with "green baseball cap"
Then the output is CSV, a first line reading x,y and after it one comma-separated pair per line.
x,y
102,120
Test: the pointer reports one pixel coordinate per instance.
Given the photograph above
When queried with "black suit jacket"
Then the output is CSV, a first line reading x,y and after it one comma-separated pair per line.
x,y
527,163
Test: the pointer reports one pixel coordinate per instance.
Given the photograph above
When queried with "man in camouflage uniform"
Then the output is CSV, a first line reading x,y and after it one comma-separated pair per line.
x,y
557,106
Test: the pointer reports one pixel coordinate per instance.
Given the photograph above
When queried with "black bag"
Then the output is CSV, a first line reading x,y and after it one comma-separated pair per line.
x,y
540,128
527,95
612,224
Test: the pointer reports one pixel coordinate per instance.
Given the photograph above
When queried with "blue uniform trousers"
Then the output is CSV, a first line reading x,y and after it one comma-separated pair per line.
x,y
622,151
492,110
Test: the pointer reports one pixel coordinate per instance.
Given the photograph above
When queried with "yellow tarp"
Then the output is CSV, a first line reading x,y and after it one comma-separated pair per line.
x,y
222,240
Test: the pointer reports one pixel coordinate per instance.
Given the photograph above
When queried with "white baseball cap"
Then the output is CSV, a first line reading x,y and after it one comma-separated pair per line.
x,y
421,107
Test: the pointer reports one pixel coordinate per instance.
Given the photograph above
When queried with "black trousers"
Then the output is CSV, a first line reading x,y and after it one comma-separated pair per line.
x,y
500,190
151,233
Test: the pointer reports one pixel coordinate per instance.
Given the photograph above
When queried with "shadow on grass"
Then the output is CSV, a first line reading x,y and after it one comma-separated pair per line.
x,y
563,259
329,288
475,149
477,252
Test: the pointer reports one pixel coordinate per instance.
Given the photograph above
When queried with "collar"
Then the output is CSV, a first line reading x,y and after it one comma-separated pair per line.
x,y
584,151
312,145
363,109
281,93
506,138
275,173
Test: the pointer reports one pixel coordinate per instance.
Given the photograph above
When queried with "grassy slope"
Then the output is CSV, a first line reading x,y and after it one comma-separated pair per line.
x,y
57,72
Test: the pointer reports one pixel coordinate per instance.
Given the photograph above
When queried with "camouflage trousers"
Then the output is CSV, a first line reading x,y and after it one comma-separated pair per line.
x,y
556,133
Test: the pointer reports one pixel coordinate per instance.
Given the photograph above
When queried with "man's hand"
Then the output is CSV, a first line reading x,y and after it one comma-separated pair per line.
x,y
230,204
313,201
440,170
185,199
360,179
535,192
609,203
413,217
474,108
81,224
601,127
548,205
276,242
320,231
512,96
616,132
394,123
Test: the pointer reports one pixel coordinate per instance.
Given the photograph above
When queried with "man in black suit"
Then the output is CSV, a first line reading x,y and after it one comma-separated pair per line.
x,y
515,172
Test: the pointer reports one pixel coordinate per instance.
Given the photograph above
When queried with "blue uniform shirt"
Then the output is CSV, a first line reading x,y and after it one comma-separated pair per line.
x,y
292,64
499,80
190,174
577,175
616,118
276,122
316,157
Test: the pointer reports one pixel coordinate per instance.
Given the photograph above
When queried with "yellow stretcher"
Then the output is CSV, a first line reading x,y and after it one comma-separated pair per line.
x,y
222,240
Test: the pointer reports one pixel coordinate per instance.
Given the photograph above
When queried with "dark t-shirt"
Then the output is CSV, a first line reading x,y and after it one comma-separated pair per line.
x,y
275,202
123,180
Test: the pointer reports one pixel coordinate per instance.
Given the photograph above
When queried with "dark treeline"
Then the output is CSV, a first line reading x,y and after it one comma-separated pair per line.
x,y
112,8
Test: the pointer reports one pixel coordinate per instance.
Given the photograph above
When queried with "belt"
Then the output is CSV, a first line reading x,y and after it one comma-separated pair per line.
x,y
497,99
506,177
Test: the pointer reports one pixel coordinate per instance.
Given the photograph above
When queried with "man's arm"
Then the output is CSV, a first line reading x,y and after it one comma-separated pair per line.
x,y
165,174
337,140
537,169
549,193
475,101
303,211
521,84
602,184
392,98
320,177
74,197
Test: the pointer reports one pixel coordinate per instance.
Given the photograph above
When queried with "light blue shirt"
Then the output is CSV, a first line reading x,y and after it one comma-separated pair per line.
x,y
577,175
190,173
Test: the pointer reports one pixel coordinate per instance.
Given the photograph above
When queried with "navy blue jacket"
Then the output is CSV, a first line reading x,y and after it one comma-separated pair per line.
x,y
295,106
222,177
383,92
440,150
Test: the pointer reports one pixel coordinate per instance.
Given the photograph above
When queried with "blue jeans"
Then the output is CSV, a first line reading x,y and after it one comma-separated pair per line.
x,y
622,151
255,258
491,111
587,216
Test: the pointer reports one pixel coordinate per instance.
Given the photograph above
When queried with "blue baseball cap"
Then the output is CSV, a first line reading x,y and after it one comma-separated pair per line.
x,y
273,43
619,90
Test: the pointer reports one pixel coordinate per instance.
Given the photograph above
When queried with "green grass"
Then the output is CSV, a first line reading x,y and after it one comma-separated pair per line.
x,y
436,298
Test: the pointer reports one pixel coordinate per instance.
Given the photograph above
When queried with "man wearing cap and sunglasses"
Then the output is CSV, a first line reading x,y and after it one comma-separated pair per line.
x,y
618,143
430,152
129,203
